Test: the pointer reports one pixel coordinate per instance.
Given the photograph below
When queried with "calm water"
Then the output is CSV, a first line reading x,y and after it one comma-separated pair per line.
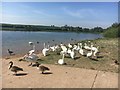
x,y
18,41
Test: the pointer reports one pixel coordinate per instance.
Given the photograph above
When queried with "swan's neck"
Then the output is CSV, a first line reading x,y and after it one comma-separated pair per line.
x,y
63,57
33,47
44,45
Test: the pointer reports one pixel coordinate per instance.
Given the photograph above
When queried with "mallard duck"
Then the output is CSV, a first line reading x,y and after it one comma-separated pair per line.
x,y
14,69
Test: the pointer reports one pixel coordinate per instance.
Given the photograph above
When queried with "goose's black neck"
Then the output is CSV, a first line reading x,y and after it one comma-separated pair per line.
x,y
11,64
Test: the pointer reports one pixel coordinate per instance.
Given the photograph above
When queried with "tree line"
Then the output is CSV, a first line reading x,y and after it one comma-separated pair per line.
x,y
16,27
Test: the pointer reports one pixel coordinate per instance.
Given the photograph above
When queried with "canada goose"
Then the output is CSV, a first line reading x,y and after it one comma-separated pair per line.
x,y
42,68
14,69
10,52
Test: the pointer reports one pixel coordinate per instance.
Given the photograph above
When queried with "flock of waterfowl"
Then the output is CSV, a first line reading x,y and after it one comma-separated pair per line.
x,y
86,49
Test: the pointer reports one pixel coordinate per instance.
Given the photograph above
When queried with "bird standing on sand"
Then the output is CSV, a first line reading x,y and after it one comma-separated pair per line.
x,y
14,69
31,58
42,68
10,52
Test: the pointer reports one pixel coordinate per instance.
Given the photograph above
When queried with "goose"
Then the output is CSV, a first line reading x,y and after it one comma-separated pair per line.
x,y
42,68
89,54
10,52
72,54
61,61
30,58
14,69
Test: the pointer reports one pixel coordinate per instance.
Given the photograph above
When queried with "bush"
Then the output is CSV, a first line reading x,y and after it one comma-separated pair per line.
x,y
112,32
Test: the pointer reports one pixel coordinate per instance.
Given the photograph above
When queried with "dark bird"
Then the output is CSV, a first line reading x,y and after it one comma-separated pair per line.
x,y
42,68
37,42
10,52
116,62
14,69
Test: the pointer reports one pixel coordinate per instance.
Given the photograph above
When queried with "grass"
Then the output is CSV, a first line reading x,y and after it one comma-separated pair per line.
x,y
105,61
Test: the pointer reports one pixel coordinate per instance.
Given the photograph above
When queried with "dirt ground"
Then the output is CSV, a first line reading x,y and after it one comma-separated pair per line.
x,y
57,77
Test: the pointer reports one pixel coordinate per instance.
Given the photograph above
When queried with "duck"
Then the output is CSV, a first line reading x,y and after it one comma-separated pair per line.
x,y
14,69
61,61
42,68
10,52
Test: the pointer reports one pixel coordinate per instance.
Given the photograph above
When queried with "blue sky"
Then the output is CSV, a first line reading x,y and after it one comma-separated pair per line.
x,y
85,14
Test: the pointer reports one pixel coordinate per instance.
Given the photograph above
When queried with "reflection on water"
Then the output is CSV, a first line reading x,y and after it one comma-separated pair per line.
x,y
18,41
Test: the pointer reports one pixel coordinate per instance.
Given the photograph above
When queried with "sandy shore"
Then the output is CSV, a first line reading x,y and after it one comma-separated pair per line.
x,y
59,77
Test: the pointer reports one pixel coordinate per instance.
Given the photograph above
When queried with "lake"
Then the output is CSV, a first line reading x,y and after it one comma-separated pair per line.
x,y
18,40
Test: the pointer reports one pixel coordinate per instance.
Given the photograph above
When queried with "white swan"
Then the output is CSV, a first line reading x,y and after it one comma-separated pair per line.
x,y
63,48
31,58
89,54
32,51
44,51
81,51
72,54
87,47
69,51
61,61
69,45
53,48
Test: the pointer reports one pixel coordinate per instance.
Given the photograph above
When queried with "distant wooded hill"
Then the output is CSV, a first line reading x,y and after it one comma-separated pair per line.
x,y
112,31
16,27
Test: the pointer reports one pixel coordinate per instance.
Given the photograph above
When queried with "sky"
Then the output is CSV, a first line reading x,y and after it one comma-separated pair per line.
x,y
84,14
